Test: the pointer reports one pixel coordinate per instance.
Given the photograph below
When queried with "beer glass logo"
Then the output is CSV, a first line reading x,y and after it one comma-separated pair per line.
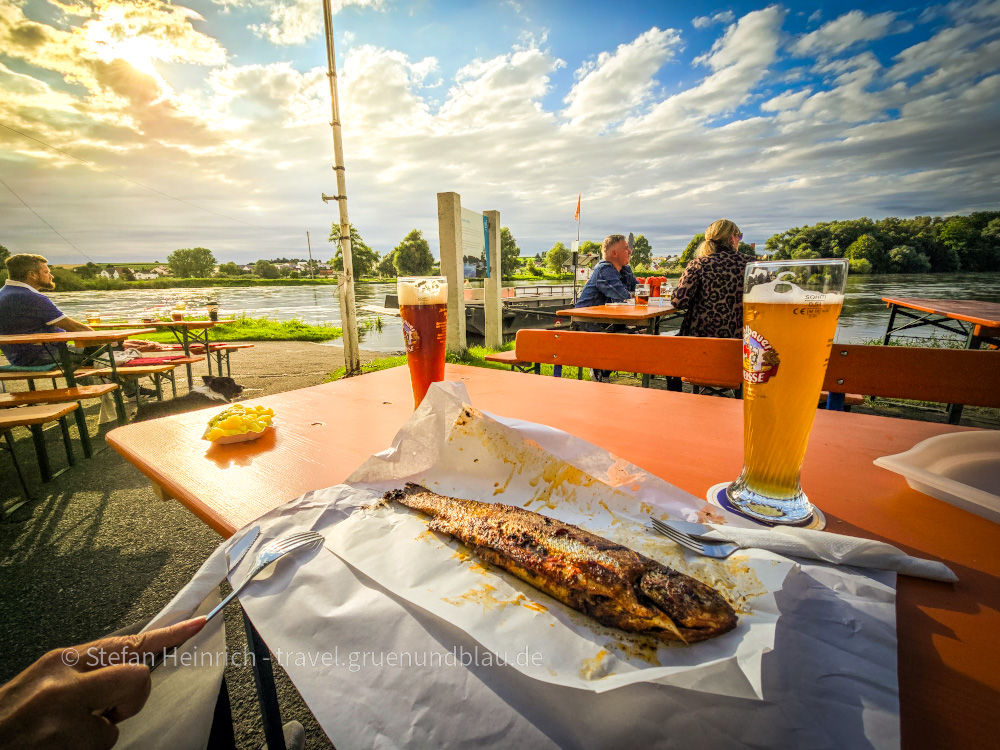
x,y
760,360
410,336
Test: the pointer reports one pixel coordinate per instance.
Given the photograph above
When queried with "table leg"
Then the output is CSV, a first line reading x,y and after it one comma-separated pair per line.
x,y
64,426
651,329
267,696
187,353
955,410
888,328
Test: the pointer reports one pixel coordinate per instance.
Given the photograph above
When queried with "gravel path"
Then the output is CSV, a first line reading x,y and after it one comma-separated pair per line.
x,y
97,551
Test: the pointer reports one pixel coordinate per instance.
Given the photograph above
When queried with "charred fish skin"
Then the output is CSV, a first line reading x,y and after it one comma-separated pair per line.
x,y
615,585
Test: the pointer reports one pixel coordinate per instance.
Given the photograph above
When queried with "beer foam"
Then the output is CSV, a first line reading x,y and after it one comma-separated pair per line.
x,y
429,290
790,294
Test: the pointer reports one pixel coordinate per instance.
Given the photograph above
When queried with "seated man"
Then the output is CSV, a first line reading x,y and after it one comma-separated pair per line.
x,y
611,281
24,309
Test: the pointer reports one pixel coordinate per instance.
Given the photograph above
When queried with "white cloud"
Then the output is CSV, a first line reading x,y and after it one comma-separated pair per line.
x,y
618,83
299,20
849,29
725,16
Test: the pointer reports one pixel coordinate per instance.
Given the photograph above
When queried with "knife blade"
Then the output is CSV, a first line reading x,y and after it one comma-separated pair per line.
x,y
239,550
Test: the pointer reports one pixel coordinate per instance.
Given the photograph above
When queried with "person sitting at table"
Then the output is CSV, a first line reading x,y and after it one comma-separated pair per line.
x,y
24,309
612,280
711,287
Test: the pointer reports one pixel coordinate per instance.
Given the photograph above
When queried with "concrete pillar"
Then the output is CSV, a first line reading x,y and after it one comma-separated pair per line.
x,y
452,267
493,301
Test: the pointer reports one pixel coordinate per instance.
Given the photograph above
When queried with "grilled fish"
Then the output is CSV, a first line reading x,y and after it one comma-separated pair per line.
x,y
613,584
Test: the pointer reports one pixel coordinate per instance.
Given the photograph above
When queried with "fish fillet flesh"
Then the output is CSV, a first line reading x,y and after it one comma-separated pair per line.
x,y
615,585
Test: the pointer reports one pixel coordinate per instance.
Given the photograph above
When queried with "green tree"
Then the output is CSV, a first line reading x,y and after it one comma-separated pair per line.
x,y
88,271
265,269
904,259
230,269
868,248
747,249
386,267
510,253
4,254
412,256
688,255
859,266
191,263
533,269
556,257
642,254
363,259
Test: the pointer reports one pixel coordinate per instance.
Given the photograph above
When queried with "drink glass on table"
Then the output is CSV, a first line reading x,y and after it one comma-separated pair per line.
x,y
790,312
93,317
642,294
213,310
665,293
423,306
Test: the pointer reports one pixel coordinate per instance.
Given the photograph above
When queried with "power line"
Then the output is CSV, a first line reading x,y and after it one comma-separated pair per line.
x,y
134,182
45,222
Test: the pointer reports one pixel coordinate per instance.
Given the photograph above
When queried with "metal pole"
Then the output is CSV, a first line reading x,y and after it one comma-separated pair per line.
x,y
345,282
311,276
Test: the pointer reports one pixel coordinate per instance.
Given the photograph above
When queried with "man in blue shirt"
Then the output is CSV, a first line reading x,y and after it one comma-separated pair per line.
x,y
24,309
611,281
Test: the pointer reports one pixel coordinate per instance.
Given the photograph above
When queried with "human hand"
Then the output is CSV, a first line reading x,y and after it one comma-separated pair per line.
x,y
74,697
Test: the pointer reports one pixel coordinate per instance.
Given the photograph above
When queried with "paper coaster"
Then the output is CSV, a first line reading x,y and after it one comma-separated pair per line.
x,y
717,496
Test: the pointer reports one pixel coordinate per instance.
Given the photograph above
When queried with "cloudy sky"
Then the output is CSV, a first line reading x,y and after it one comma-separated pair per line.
x,y
131,129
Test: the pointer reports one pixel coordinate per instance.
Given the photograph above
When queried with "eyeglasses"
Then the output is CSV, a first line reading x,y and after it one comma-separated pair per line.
x,y
739,235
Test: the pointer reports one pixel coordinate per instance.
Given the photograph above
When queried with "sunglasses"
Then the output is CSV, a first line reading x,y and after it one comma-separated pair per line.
x,y
739,235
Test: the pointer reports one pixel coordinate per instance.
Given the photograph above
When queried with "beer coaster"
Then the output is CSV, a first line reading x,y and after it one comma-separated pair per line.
x,y
717,496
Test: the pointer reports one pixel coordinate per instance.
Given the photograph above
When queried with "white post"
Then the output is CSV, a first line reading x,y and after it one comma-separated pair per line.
x,y
452,267
492,296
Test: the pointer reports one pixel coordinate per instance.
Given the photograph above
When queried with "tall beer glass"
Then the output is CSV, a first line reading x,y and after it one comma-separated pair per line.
x,y
790,311
423,305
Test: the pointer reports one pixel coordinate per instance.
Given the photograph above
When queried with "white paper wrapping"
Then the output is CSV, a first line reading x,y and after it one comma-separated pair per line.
x,y
379,669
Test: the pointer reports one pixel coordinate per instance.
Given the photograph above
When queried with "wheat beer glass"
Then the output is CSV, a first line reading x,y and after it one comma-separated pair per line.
x,y
790,312
423,305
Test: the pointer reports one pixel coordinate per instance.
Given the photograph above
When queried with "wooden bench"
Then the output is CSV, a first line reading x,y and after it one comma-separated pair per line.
x,y
33,417
959,376
510,358
154,372
61,396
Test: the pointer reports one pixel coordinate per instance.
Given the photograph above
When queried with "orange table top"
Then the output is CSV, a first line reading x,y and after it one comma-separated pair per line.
x,y
626,312
162,324
972,311
81,337
949,665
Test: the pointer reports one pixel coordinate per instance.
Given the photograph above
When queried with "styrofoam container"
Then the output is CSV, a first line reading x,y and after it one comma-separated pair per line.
x,y
962,469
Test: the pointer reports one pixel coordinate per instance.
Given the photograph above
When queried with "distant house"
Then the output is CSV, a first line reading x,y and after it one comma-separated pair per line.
x,y
145,276
115,273
324,272
161,271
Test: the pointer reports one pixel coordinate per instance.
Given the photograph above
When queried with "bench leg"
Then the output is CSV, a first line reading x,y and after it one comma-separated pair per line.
x,y
64,426
20,474
835,402
158,380
38,437
81,426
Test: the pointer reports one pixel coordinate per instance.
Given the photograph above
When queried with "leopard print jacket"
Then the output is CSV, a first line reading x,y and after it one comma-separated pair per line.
x,y
711,289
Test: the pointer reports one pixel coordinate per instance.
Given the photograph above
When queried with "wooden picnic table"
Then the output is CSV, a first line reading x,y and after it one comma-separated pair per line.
x,y
185,331
948,662
627,313
66,364
978,322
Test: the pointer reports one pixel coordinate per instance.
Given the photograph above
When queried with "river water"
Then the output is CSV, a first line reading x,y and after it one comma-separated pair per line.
x,y
864,316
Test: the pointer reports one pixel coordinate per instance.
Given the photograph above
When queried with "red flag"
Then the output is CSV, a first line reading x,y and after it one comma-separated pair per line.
x,y
576,216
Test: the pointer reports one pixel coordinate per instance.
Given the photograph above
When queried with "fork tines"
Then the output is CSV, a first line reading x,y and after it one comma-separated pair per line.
x,y
676,536
294,540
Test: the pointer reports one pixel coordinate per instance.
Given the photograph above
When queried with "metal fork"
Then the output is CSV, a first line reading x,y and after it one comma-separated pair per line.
x,y
269,553
701,546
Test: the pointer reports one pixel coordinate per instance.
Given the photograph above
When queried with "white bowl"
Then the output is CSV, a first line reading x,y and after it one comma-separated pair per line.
x,y
962,469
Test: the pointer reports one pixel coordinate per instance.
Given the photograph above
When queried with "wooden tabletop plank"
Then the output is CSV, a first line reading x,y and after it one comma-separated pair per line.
x,y
163,324
626,312
949,666
971,311
82,337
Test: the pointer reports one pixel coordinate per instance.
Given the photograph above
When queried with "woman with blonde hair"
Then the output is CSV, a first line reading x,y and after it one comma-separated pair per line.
x,y
711,288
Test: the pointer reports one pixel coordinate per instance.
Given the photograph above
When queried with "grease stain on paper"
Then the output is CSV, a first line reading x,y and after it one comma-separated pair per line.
x,y
485,596
595,668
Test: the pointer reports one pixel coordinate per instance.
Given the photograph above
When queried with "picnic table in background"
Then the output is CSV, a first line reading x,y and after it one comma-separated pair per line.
x,y
626,313
978,322
67,367
948,665
186,332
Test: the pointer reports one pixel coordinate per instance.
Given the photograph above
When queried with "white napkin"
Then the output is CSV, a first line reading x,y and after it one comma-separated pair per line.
x,y
834,548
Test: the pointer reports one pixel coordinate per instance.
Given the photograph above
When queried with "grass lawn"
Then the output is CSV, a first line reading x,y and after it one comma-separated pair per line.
x,y
260,329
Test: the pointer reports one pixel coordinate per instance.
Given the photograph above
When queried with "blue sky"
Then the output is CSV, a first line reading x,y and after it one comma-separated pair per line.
x,y
664,116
